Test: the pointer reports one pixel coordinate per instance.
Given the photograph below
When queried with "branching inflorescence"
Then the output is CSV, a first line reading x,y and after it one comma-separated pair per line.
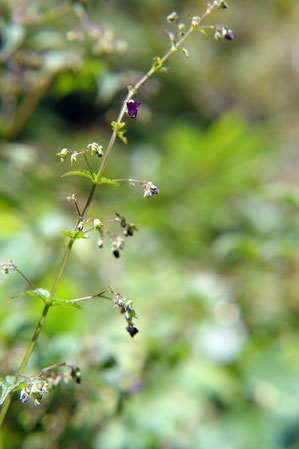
x,y
44,381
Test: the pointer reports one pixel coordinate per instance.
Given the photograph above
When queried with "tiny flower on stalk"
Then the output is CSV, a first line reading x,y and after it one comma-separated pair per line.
x,y
96,149
73,158
150,189
80,225
97,224
228,34
172,17
117,245
24,396
38,397
62,154
132,330
195,21
132,108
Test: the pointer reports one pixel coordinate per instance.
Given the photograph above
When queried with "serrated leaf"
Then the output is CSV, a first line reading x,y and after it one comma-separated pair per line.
x,y
63,302
38,292
74,235
7,386
81,172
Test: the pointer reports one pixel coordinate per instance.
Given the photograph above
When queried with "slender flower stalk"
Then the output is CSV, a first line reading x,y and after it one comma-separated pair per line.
x,y
175,46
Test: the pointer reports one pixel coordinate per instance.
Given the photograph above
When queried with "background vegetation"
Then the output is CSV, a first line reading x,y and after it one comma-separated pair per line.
x,y
213,269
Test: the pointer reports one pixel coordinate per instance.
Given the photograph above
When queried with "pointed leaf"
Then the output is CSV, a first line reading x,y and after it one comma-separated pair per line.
x,y
63,302
7,385
74,235
110,181
38,292
203,31
81,172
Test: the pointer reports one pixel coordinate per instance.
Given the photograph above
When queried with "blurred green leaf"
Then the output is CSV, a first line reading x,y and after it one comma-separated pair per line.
x,y
74,235
39,293
62,302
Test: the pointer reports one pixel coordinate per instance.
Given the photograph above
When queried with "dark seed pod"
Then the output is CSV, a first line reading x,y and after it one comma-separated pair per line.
x,y
228,34
132,330
116,253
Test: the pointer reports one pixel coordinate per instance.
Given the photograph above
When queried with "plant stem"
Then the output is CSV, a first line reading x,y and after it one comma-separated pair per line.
x,y
15,128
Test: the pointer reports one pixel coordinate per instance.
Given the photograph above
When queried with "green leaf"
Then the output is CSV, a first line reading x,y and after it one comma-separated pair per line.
x,y
81,172
117,127
158,65
109,181
203,31
63,302
74,235
38,292
8,385
184,50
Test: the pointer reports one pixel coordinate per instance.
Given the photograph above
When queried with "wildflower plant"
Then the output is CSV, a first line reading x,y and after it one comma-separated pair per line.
x,y
113,231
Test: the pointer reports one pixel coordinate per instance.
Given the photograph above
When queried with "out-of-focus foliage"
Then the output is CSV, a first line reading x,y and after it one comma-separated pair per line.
x,y
213,269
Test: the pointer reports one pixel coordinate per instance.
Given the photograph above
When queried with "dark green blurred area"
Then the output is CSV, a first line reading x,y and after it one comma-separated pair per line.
x,y
213,269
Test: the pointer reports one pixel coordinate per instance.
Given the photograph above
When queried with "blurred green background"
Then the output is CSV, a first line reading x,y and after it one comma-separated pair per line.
x,y
213,269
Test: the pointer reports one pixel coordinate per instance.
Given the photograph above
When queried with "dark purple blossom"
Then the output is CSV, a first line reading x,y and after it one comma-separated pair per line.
x,y
132,108
116,253
24,396
132,330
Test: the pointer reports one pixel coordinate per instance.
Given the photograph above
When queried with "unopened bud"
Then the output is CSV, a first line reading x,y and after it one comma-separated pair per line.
x,y
73,158
222,4
181,28
96,149
80,226
172,16
62,154
228,34
195,21
132,330
97,224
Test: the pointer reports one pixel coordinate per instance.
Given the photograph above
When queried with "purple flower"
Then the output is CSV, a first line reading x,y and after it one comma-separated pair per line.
x,y
24,396
132,108
132,330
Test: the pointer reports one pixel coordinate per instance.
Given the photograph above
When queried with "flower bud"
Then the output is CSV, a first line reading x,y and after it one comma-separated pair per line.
x,y
153,189
80,226
115,253
228,34
195,21
181,28
96,149
97,224
132,330
73,158
100,242
38,398
172,17
222,4
63,154
24,396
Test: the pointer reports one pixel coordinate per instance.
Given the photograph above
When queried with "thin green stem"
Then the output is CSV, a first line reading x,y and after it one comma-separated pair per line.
x,y
132,91
23,275
89,168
